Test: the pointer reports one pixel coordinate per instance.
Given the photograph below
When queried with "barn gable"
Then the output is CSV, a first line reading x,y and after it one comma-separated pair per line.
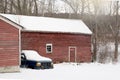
x,y
10,45
10,22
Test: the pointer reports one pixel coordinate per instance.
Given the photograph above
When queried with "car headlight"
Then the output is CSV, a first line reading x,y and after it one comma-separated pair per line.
x,y
52,64
38,64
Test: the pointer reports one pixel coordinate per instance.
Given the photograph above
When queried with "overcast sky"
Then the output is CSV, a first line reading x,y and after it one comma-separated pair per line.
x,y
104,6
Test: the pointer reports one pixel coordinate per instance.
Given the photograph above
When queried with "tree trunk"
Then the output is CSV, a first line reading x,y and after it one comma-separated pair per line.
x,y
95,43
24,7
83,7
19,7
116,48
116,33
11,7
5,7
36,7
95,33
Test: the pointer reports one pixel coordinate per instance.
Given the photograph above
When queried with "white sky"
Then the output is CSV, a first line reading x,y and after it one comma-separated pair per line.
x,y
62,7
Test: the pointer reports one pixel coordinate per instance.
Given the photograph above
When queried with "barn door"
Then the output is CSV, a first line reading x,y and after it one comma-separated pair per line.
x,y
72,54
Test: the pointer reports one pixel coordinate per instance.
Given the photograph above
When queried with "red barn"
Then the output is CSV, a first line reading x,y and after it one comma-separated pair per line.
x,y
9,45
60,47
62,40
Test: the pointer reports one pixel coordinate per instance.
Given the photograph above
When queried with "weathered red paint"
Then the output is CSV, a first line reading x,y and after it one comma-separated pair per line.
x,y
9,45
61,43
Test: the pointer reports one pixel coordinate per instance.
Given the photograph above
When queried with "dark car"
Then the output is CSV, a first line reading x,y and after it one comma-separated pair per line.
x,y
31,59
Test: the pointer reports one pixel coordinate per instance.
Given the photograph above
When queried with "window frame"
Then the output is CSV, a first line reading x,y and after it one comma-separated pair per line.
x,y
49,44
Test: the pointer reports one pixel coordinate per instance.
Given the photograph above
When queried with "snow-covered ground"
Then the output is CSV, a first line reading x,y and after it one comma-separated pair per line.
x,y
68,71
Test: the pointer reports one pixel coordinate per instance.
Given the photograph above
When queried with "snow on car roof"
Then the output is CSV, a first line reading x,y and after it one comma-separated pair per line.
x,y
33,55
33,23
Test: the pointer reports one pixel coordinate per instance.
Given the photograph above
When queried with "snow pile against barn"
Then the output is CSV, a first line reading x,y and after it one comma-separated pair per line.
x,y
33,23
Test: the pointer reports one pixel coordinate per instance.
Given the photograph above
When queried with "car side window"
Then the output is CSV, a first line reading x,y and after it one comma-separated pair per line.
x,y
23,56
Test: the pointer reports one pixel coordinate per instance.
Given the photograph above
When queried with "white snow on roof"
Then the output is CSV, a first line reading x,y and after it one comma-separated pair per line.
x,y
32,23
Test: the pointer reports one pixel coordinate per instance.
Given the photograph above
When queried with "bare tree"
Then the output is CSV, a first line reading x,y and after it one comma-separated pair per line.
x,y
3,6
95,29
82,7
116,33
36,8
42,7
110,8
11,6
74,5
30,7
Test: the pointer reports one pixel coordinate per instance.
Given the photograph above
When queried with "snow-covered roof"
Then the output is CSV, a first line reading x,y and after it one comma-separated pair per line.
x,y
32,23
10,22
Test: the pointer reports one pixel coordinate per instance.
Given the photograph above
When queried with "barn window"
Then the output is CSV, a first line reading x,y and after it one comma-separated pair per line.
x,y
48,48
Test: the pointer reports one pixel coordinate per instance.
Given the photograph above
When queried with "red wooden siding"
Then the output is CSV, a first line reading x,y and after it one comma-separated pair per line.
x,y
72,54
61,43
9,45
